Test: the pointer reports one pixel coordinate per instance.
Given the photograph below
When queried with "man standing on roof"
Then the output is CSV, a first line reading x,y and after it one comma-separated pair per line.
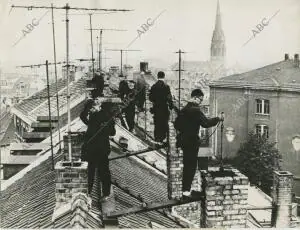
x,y
101,125
160,96
188,123
98,80
140,88
127,95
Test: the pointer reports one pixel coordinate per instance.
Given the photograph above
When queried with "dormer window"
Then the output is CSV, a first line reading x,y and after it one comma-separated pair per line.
x,y
262,106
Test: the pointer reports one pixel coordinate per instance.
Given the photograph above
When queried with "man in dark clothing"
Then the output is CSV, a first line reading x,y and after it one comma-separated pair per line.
x,y
160,96
101,125
140,88
188,123
98,80
127,95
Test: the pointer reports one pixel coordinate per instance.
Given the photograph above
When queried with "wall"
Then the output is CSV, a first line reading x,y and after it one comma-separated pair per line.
x,y
240,114
10,170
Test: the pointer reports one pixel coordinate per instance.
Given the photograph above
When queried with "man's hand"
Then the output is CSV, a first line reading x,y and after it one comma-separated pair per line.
x,y
221,116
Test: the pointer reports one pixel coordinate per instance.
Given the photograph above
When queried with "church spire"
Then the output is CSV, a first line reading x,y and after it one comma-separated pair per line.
x,y
218,48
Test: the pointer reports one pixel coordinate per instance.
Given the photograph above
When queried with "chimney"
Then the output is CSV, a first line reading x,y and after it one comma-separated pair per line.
x,y
226,195
71,178
144,66
76,143
282,199
286,57
296,60
190,211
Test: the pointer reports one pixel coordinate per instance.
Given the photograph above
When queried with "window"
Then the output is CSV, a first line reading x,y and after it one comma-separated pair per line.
x,y
262,106
262,130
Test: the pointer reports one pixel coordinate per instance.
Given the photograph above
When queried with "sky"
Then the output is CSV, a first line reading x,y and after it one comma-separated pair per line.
x,y
185,25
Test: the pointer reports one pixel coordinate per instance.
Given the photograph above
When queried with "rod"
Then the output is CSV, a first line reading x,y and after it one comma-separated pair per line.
x,y
221,158
49,109
121,62
145,116
179,76
100,52
67,7
97,64
135,153
68,82
92,45
55,71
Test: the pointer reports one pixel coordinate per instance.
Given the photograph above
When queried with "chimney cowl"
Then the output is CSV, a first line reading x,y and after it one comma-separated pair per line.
x,y
286,57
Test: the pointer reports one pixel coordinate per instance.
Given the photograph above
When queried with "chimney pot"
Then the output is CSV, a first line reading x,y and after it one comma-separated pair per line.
x,y
286,57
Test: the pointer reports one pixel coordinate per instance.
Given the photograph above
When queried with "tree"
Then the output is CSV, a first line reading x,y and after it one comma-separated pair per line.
x,y
257,158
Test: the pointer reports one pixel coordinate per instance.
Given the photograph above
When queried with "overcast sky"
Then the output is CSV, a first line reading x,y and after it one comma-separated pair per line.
x,y
186,25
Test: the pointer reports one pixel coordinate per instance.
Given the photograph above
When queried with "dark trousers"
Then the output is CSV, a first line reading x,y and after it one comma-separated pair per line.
x,y
140,100
129,116
103,174
161,126
190,155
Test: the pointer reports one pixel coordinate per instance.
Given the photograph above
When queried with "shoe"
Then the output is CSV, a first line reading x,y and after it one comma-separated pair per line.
x,y
186,193
105,198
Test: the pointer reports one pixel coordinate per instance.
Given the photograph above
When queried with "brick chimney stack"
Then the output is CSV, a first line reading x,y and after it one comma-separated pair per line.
x,y
190,211
174,166
296,60
226,195
282,199
70,179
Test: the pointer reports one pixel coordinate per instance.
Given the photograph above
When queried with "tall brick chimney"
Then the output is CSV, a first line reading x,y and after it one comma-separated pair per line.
x,y
71,183
190,211
174,167
282,199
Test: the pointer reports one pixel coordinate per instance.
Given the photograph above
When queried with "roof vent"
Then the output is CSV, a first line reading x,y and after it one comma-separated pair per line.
x,y
293,81
278,68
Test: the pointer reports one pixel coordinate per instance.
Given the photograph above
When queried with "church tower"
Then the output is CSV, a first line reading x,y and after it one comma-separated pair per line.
x,y
218,47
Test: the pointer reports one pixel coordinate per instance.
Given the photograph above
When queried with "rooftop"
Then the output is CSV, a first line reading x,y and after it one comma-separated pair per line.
x,y
282,75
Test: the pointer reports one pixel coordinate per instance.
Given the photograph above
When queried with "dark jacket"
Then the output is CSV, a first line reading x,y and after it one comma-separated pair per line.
x,y
123,89
160,96
85,113
100,127
189,120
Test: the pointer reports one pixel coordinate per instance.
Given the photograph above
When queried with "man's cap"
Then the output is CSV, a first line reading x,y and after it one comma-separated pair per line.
x,y
197,93
160,75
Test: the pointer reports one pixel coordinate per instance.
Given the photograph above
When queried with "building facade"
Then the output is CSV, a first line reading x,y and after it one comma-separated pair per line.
x,y
265,101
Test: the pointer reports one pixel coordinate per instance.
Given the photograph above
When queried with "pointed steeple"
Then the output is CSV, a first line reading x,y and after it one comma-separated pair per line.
x,y
218,47
218,25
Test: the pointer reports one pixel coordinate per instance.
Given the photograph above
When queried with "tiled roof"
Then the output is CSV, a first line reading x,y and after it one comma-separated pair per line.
x,y
282,74
28,104
35,106
7,133
29,202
